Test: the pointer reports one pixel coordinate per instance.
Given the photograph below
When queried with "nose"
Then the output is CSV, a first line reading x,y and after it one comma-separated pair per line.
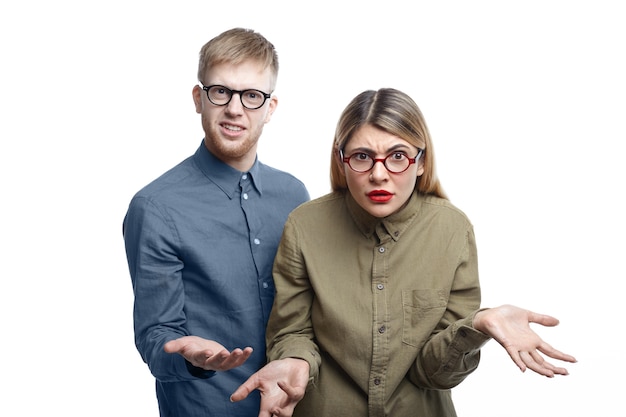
x,y
235,106
379,172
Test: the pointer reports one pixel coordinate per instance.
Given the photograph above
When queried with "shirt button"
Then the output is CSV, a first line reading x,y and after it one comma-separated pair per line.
x,y
380,286
376,381
381,329
265,285
381,249
257,241
245,196
244,176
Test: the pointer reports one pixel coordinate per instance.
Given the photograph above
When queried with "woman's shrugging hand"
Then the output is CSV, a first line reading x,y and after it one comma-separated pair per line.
x,y
510,327
282,384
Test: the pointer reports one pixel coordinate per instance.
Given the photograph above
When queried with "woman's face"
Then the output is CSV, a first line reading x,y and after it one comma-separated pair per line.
x,y
379,191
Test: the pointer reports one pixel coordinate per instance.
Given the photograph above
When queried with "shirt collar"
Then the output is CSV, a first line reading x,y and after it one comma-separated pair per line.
x,y
223,175
392,226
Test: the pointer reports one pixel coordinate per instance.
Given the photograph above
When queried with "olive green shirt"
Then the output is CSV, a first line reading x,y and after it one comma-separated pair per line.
x,y
381,309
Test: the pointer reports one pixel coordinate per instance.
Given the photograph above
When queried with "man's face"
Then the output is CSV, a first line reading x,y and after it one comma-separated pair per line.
x,y
232,131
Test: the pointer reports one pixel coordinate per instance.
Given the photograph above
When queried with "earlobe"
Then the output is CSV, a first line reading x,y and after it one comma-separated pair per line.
x,y
420,168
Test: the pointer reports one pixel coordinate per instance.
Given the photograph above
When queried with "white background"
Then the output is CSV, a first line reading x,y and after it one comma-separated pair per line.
x,y
525,102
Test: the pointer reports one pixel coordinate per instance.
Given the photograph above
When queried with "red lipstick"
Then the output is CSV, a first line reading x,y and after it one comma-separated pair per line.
x,y
380,196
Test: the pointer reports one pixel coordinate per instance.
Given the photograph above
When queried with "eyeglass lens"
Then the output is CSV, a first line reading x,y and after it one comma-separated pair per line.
x,y
396,162
220,96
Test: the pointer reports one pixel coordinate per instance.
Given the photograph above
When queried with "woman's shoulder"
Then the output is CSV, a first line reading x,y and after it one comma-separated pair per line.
x,y
443,207
323,204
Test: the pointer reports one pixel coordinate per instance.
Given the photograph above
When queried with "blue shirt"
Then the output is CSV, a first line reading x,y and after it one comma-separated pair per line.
x,y
200,243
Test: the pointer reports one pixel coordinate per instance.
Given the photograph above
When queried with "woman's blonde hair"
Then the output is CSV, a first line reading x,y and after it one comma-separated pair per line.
x,y
396,113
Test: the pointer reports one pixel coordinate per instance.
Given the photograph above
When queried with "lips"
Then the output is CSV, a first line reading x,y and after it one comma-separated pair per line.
x,y
232,127
231,130
379,196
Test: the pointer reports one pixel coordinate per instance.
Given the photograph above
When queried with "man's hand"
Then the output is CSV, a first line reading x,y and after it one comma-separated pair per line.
x,y
510,326
207,354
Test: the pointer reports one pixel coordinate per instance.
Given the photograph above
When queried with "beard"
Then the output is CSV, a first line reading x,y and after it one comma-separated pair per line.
x,y
228,148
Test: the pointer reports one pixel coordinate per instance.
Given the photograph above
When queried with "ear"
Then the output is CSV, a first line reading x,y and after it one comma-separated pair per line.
x,y
197,97
337,159
271,108
420,169
420,164
337,154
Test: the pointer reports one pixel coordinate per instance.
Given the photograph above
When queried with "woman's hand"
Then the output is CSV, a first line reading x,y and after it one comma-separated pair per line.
x,y
282,384
510,326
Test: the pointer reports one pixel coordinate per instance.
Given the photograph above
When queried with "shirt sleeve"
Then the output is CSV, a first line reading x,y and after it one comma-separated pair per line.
x,y
290,330
155,270
453,352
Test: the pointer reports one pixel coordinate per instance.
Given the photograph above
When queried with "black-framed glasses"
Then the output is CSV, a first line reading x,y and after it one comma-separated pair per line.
x,y
250,98
396,162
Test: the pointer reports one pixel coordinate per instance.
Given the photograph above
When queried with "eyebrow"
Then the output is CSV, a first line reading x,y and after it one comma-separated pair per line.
x,y
399,146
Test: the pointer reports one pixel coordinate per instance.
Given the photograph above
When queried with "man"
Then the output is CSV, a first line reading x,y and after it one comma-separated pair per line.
x,y
201,239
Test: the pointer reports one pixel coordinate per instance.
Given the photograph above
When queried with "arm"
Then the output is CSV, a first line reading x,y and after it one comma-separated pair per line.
x,y
452,352
156,272
510,327
290,332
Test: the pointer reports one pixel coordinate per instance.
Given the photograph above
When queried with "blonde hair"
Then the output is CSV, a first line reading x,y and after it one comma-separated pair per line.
x,y
235,46
396,113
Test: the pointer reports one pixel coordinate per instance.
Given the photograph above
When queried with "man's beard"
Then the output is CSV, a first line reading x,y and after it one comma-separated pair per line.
x,y
231,149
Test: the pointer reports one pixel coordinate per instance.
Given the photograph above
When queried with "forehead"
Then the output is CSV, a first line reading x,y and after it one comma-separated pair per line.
x,y
247,74
375,139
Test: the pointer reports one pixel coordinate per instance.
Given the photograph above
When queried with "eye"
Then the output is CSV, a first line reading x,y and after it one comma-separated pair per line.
x,y
398,156
219,91
252,95
361,156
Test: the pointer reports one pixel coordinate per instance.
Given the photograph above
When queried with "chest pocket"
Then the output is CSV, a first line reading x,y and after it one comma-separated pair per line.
x,y
422,310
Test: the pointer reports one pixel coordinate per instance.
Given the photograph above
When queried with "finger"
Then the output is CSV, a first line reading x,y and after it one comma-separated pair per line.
x,y
173,346
232,360
550,368
543,319
214,359
238,356
557,370
244,389
548,350
205,358
538,364
229,360
515,356
535,366
293,393
282,412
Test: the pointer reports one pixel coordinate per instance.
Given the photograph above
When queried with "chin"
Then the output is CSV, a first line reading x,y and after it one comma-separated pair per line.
x,y
379,212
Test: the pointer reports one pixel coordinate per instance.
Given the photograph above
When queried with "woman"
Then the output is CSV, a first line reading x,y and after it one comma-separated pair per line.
x,y
377,308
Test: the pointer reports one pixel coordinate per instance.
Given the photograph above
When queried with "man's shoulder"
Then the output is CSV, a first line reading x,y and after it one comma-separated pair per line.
x,y
168,181
287,185
278,174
